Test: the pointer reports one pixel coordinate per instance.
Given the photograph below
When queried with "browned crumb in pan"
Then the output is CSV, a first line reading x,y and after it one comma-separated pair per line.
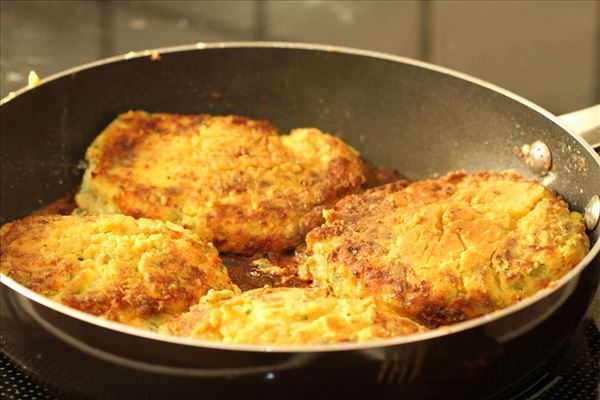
x,y
272,269
62,206
377,176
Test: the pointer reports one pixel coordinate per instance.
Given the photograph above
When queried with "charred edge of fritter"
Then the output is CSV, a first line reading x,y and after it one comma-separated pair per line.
x,y
119,146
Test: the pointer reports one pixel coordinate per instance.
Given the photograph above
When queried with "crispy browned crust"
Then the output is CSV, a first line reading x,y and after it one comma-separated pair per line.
x,y
137,272
231,179
441,251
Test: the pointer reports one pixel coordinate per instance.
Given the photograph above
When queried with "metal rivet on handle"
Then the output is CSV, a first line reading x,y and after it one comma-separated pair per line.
x,y
540,157
592,212
537,155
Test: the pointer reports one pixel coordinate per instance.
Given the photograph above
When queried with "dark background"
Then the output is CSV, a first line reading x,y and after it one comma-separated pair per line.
x,y
547,51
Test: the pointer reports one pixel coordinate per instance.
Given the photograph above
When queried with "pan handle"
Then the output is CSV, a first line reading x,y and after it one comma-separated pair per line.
x,y
585,123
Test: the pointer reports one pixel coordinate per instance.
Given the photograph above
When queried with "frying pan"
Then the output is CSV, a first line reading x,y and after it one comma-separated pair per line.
x,y
421,119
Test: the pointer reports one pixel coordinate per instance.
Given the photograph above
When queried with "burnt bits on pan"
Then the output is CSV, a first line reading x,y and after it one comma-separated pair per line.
x,y
135,271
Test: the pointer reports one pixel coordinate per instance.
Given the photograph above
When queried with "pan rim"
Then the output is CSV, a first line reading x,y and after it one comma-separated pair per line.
x,y
395,341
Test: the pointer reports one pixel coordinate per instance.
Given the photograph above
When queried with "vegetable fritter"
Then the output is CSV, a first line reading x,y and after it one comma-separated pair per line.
x,y
233,180
287,316
442,251
138,272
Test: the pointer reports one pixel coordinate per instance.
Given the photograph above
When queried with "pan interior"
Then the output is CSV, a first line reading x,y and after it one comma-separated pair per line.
x,y
421,121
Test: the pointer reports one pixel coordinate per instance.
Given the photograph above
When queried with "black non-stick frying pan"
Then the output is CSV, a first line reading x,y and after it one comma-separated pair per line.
x,y
418,118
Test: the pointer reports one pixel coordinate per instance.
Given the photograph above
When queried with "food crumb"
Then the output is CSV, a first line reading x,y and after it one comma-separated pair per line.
x,y
155,56
33,79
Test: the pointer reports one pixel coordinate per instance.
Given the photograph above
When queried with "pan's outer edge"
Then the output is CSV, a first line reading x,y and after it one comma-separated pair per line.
x,y
443,331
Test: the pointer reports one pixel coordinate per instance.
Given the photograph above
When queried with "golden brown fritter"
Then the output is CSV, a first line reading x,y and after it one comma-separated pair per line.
x,y
441,251
233,180
287,316
138,272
